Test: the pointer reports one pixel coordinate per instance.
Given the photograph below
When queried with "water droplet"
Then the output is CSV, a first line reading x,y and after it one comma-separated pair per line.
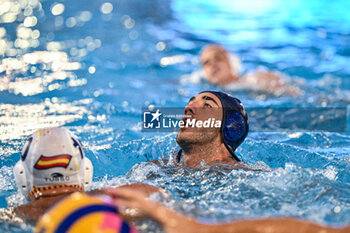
x,y
57,9
160,46
30,21
2,32
106,8
85,16
337,209
128,22
59,21
92,69
71,22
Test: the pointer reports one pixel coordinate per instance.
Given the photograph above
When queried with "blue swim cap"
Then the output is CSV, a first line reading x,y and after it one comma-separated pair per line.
x,y
234,127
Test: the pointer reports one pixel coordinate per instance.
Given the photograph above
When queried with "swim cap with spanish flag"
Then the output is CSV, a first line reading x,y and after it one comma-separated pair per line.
x,y
52,158
82,213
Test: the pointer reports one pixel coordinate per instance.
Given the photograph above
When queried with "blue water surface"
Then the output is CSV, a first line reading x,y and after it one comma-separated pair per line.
x,y
92,65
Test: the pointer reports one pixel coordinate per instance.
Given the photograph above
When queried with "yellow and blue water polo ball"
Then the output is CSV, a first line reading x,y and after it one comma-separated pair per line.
x,y
80,212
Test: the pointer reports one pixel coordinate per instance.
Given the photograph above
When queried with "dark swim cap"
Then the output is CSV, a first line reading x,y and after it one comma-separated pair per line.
x,y
234,126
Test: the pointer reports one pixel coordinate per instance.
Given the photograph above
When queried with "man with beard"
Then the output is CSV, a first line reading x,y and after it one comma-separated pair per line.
x,y
214,144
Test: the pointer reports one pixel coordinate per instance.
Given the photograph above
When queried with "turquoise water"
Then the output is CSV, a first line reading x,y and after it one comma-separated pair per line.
x,y
92,67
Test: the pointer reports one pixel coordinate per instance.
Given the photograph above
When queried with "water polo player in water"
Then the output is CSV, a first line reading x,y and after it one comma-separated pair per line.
x,y
213,145
198,145
223,69
53,165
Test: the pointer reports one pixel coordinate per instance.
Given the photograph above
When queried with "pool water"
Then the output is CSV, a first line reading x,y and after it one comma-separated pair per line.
x,y
92,65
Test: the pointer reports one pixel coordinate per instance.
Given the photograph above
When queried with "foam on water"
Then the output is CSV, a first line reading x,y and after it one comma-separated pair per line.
x,y
216,194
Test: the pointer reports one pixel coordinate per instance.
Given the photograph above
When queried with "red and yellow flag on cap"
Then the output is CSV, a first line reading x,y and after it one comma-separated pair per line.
x,y
53,161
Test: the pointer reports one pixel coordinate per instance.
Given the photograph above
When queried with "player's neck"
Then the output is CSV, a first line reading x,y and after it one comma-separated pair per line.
x,y
209,154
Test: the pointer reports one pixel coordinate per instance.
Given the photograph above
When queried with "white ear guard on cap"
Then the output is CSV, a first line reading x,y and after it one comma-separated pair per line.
x,y
52,157
20,178
86,172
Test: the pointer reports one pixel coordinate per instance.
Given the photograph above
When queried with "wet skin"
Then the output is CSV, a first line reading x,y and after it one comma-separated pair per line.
x,y
201,107
218,71
203,144
31,212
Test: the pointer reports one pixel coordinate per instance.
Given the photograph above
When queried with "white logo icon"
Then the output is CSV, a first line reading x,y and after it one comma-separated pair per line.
x,y
154,123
